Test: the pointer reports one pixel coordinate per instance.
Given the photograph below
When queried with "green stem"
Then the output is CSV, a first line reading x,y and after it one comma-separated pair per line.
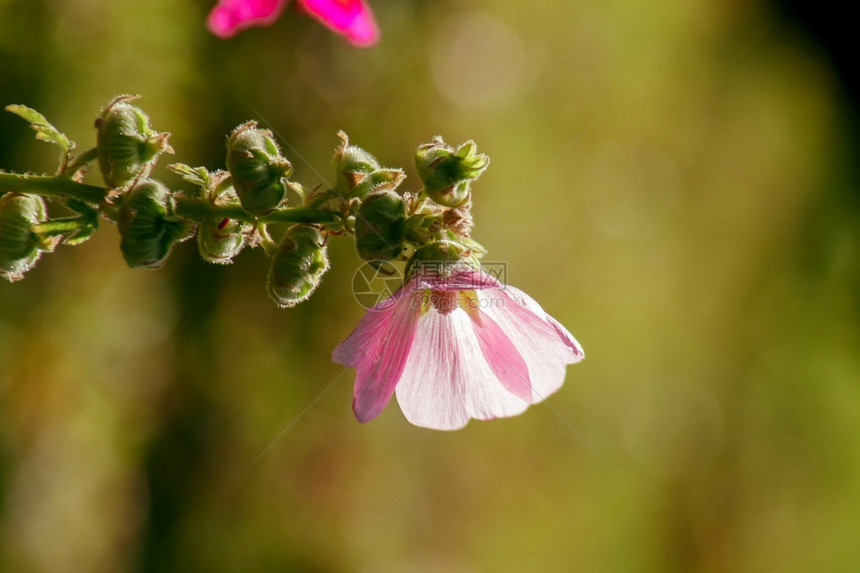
x,y
268,244
197,209
51,185
81,161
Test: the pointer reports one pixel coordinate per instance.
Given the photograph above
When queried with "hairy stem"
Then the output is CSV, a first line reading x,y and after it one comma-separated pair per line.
x,y
51,185
196,209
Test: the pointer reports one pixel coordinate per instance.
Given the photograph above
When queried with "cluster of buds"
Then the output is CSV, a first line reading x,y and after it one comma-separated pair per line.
x,y
229,209
434,222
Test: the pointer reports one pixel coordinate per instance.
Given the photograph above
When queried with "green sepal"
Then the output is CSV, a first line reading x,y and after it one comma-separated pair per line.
x,y
439,257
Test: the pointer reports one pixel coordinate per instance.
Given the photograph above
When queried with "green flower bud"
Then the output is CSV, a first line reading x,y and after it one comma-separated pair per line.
x,y
257,168
380,180
351,165
298,266
438,258
380,226
446,173
20,247
147,230
220,240
127,145
358,173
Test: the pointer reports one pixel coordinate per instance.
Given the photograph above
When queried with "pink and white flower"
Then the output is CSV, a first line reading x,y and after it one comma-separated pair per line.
x,y
456,347
350,18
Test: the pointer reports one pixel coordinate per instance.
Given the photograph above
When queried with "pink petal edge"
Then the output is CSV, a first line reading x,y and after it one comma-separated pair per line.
x,y
531,304
545,352
501,355
378,349
351,18
231,16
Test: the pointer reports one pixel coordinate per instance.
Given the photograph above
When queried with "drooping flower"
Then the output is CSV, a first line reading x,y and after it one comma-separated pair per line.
x,y
350,18
456,346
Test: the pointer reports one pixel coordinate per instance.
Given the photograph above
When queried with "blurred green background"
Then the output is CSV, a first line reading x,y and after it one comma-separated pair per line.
x,y
674,181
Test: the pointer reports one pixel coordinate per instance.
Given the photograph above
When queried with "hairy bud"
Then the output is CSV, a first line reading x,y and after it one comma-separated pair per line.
x,y
358,173
298,266
257,168
147,230
20,247
127,145
437,258
446,173
219,240
380,226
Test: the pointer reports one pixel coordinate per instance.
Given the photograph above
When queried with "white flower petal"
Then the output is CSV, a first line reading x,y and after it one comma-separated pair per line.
x,y
546,350
447,380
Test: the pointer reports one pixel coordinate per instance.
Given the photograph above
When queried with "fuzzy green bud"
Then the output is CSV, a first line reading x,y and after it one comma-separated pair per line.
x,y
380,226
380,180
219,240
298,266
128,147
358,173
351,165
147,230
20,247
257,168
447,173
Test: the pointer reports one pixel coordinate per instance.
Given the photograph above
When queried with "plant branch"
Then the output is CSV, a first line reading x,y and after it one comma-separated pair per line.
x,y
51,185
196,209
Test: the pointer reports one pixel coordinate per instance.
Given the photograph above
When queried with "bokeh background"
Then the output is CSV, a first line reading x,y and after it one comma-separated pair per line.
x,y
675,181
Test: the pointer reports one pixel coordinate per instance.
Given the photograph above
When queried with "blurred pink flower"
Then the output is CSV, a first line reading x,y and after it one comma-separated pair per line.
x,y
454,348
350,18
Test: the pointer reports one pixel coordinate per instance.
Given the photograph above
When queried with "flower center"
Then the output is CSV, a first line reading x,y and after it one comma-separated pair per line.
x,y
447,301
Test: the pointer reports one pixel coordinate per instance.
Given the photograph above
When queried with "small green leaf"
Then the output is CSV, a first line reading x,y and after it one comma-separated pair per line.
x,y
197,175
78,162
81,207
82,234
44,130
